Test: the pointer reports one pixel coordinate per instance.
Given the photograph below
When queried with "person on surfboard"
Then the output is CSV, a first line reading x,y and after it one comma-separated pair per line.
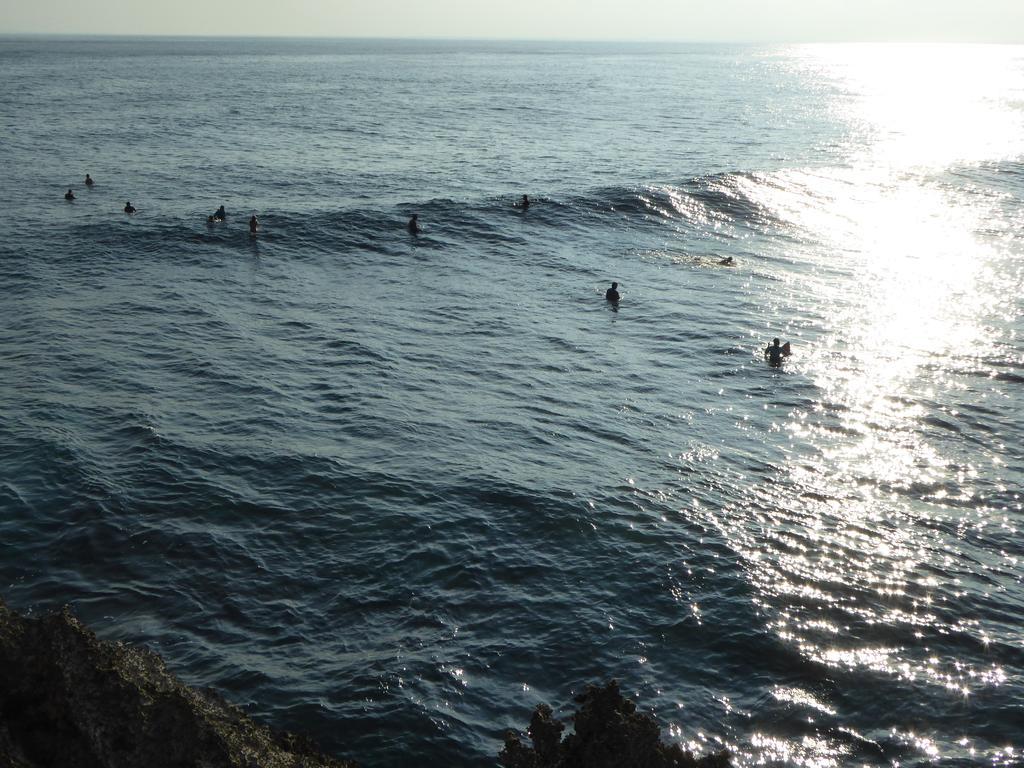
x,y
774,353
220,214
88,180
69,195
524,203
612,294
413,226
254,224
128,207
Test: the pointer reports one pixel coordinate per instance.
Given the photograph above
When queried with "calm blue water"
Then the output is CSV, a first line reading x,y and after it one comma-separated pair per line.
x,y
393,491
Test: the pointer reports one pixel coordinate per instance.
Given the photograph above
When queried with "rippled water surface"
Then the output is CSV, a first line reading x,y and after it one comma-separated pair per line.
x,y
394,490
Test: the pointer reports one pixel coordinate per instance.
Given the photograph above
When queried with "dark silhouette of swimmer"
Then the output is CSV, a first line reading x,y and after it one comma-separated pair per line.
x,y
69,195
612,294
413,226
88,180
524,203
254,224
220,214
727,261
774,353
128,207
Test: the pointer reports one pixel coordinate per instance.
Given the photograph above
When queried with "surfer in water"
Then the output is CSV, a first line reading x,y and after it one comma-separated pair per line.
x,y
413,226
254,224
727,262
88,180
774,353
69,195
612,294
220,214
128,207
524,203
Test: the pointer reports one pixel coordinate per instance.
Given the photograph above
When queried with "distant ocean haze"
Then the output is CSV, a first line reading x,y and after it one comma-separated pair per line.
x,y
394,490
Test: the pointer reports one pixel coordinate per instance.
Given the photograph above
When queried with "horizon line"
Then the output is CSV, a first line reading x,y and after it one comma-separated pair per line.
x,y
483,39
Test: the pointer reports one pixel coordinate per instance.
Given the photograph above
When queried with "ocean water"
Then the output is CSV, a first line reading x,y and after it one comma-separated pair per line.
x,y
393,491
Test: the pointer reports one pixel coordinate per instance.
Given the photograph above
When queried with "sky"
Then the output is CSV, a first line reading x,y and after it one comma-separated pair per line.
x,y
682,20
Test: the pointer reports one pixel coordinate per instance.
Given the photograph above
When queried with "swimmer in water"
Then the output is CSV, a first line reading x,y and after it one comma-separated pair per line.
x,y
612,294
773,353
414,226
727,262
220,214
524,203
254,224
88,180
128,207
69,195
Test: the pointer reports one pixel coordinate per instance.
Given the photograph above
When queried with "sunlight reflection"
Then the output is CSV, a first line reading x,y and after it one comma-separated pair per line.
x,y
802,698
926,104
809,752
841,550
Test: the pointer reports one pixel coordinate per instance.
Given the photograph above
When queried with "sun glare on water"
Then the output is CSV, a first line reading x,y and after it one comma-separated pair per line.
x,y
927,105
920,280
904,282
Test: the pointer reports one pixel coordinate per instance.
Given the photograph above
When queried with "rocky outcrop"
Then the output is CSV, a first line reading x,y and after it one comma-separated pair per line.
x,y
69,699
608,733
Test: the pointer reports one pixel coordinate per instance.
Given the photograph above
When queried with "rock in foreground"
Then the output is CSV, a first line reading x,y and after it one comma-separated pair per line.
x,y
69,699
609,733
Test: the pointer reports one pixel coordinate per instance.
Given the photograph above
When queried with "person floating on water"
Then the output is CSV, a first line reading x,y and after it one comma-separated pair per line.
x,y
88,180
220,214
414,226
254,224
524,203
727,262
69,195
128,207
612,294
773,353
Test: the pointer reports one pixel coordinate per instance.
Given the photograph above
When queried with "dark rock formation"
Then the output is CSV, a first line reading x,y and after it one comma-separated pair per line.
x,y
69,700
609,733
